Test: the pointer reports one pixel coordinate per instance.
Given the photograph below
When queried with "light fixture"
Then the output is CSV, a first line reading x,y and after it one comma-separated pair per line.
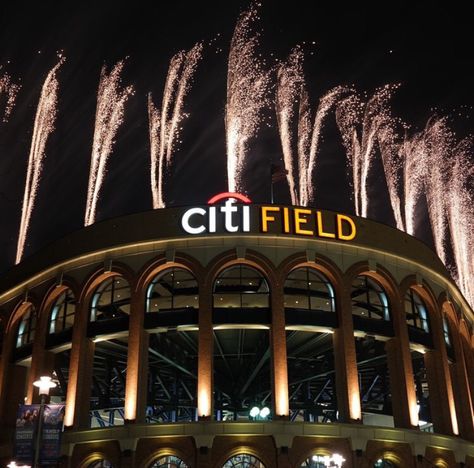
x,y
44,384
264,412
255,411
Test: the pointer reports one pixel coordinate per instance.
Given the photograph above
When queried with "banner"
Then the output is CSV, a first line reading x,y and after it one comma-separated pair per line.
x,y
26,427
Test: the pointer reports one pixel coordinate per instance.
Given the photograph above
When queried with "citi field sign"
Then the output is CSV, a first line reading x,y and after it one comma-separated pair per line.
x,y
233,212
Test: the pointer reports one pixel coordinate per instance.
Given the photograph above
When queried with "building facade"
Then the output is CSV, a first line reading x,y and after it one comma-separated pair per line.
x,y
240,335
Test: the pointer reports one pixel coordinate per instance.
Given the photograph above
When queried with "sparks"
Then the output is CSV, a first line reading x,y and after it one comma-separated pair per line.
x,y
43,127
111,99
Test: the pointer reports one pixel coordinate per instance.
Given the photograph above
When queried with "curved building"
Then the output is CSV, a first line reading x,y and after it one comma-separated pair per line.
x,y
235,335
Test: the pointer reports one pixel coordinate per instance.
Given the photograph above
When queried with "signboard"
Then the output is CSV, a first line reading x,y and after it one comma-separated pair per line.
x,y
235,216
26,432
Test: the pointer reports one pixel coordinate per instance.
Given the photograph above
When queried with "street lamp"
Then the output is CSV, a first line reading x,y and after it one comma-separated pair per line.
x,y
44,384
13,464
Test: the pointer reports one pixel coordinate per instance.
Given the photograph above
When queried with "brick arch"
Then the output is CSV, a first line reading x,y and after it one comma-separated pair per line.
x,y
50,297
98,275
252,259
306,447
398,453
320,263
166,452
160,264
19,310
248,447
427,295
85,454
382,276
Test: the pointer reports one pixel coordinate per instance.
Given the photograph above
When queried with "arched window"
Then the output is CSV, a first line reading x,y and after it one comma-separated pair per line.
x,y
100,464
170,461
415,311
448,339
243,460
369,299
175,288
306,288
241,286
111,300
62,312
26,328
323,461
384,463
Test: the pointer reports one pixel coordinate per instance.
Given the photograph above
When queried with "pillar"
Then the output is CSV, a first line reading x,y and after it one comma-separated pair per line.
x,y
345,360
205,352
281,405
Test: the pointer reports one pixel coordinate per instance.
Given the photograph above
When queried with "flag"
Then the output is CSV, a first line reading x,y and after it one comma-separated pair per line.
x,y
278,173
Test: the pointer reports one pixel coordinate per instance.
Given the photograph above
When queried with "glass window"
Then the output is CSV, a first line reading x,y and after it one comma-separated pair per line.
x,y
384,463
62,313
111,300
446,332
306,288
241,286
416,313
323,461
101,464
369,300
26,328
175,288
243,461
170,461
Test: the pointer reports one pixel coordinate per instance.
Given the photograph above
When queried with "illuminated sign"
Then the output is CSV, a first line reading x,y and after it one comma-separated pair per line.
x,y
234,215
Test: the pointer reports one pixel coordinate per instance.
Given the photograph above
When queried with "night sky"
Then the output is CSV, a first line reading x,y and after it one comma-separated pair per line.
x,y
425,47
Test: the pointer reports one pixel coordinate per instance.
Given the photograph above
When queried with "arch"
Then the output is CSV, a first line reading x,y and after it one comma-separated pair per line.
x,y
157,265
416,311
243,460
251,258
93,461
315,455
381,275
167,461
371,300
57,310
239,281
27,325
172,288
308,288
18,311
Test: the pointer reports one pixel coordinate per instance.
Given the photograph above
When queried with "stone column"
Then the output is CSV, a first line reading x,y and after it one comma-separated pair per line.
x,y
205,353
279,354
80,371
345,360
137,361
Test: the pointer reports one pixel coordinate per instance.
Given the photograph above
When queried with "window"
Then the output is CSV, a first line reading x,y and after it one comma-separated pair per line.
x,y
111,300
446,332
384,463
243,461
26,328
175,288
306,288
369,300
323,461
100,464
170,461
241,286
416,313
62,313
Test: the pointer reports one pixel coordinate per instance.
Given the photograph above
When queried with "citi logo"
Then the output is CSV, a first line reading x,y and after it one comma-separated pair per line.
x,y
200,220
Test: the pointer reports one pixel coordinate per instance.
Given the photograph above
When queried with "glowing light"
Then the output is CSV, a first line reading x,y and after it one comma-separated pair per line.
x,y
254,412
165,125
111,99
247,96
43,127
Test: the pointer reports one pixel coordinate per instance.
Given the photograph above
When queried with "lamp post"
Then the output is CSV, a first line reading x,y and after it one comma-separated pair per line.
x,y
44,384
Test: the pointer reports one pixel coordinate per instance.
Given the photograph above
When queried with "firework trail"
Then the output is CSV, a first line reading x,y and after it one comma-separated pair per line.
x,y
460,206
43,127
349,113
290,104
164,126
439,143
327,103
8,93
247,96
379,129
111,99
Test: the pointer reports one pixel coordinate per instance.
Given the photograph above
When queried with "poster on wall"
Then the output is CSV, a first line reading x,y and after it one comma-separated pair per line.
x,y
26,433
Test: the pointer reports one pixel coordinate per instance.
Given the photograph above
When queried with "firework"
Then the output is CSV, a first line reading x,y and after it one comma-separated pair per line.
x,y
164,127
248,85
43,127
8,93
111,99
